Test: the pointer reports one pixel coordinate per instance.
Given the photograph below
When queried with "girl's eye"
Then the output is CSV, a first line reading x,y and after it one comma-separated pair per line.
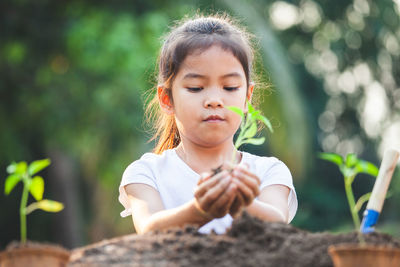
x,y
194,89
231,88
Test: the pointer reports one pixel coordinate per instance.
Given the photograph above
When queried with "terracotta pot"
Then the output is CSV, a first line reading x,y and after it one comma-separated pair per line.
x,y
34,256
351,255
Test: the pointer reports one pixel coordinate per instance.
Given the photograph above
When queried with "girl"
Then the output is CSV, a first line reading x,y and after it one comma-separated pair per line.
x,y
205,64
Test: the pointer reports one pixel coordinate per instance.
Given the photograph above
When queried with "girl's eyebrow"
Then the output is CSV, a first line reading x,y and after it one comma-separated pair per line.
x,y
232,74
192,75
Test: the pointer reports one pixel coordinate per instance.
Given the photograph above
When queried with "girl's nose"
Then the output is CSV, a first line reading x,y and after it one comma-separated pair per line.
x,y
213,102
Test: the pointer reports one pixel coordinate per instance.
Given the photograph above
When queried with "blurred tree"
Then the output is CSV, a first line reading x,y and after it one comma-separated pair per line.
x,y
74,76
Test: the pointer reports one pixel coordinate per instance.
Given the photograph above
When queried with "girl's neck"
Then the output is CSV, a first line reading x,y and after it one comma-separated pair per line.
x,y
203,159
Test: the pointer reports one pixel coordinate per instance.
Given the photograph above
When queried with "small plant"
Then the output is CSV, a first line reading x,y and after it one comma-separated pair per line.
x,y
22,172
248,127
350,167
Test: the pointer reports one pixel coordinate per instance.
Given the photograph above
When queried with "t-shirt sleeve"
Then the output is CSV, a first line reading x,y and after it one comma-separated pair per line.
x,y
279,174
137,172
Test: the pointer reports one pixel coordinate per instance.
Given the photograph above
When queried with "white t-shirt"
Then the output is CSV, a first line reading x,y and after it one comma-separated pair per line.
x,y
175,181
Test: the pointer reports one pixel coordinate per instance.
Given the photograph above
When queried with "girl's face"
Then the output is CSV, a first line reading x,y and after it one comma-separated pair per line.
x,y
207,82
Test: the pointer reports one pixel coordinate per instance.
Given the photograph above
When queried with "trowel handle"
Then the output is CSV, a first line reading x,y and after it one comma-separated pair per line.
x,y
379,191
382,182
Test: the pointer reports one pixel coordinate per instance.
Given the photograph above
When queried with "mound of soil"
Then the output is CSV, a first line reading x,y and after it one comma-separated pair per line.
x,y
249,242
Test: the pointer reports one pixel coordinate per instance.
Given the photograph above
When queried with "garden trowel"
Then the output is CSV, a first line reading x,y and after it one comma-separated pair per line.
x,y
379,191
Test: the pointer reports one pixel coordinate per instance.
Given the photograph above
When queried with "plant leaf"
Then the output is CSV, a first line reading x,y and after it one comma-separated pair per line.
x,y
12,167
367,167
37,188
38,165
250,107
20,167
255,141
50,205
251,132
265,121
351,160
11,181
236,110
332,157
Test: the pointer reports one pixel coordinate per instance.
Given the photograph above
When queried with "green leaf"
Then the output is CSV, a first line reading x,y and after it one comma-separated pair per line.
x,y
236,110
265,121
351,160
250,107
367,167
50,205
332,157
256,113
251,132
20,168
38,165
11,181
12,167
255,141
37,187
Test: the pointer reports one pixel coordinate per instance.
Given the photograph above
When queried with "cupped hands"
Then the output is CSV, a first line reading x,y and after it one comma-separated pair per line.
x,y
228,191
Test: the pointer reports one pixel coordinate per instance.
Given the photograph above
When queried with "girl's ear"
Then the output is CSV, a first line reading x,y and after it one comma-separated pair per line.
x,y
164,100
249,95
250,91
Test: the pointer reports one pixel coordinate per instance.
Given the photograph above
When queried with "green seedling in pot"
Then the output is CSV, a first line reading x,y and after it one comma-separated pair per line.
x,y
22,172
350,167
248,126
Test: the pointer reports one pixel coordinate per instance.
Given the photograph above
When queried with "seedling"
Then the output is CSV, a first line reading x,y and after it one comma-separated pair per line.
x,y
248,126
350,167
22,172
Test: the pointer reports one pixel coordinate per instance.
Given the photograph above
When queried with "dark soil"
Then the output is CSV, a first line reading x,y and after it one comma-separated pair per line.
x,y
250,242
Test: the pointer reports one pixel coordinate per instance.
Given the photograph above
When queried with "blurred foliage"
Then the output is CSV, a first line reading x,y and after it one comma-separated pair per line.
x,y
75,75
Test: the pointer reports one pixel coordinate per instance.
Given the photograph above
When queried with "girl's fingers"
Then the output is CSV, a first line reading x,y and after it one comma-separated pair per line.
x,y
237,205
246,192
220,207
249,179
213,193
204,177
208,184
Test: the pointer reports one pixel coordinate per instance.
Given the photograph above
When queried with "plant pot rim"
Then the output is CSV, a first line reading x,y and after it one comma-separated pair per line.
x,y
358,246
36,248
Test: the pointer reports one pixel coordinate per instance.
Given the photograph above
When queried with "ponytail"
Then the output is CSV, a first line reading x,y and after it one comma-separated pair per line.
x,y
165,130
169,136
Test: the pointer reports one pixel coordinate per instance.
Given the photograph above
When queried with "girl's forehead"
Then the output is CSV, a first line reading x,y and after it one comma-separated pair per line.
x,y
212,61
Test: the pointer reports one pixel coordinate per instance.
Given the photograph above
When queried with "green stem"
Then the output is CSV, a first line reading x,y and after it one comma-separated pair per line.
x,y
352,203
354,212
22,210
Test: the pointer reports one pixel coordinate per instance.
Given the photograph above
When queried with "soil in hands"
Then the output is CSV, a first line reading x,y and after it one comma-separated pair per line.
x,y
249,242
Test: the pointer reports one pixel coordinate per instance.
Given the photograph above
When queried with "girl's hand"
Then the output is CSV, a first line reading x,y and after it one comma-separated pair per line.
x,y
248,188
214,195
237,206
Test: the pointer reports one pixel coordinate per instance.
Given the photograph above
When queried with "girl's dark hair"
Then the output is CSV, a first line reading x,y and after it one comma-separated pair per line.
x,y
194,35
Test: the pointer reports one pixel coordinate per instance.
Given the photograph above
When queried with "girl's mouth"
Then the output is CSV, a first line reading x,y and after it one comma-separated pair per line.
x,y
214,118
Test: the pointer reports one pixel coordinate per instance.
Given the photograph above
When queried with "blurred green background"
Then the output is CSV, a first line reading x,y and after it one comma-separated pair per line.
x,y
74,77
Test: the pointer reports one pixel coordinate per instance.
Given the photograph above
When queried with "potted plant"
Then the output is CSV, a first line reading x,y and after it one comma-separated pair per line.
x,y
23,253
364,254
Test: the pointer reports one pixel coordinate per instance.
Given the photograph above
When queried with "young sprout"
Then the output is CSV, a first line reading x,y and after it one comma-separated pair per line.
x,y
248,126
350,167
22,172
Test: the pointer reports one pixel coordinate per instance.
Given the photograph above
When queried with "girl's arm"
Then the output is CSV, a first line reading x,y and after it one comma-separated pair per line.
x,y
212,200
272,204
